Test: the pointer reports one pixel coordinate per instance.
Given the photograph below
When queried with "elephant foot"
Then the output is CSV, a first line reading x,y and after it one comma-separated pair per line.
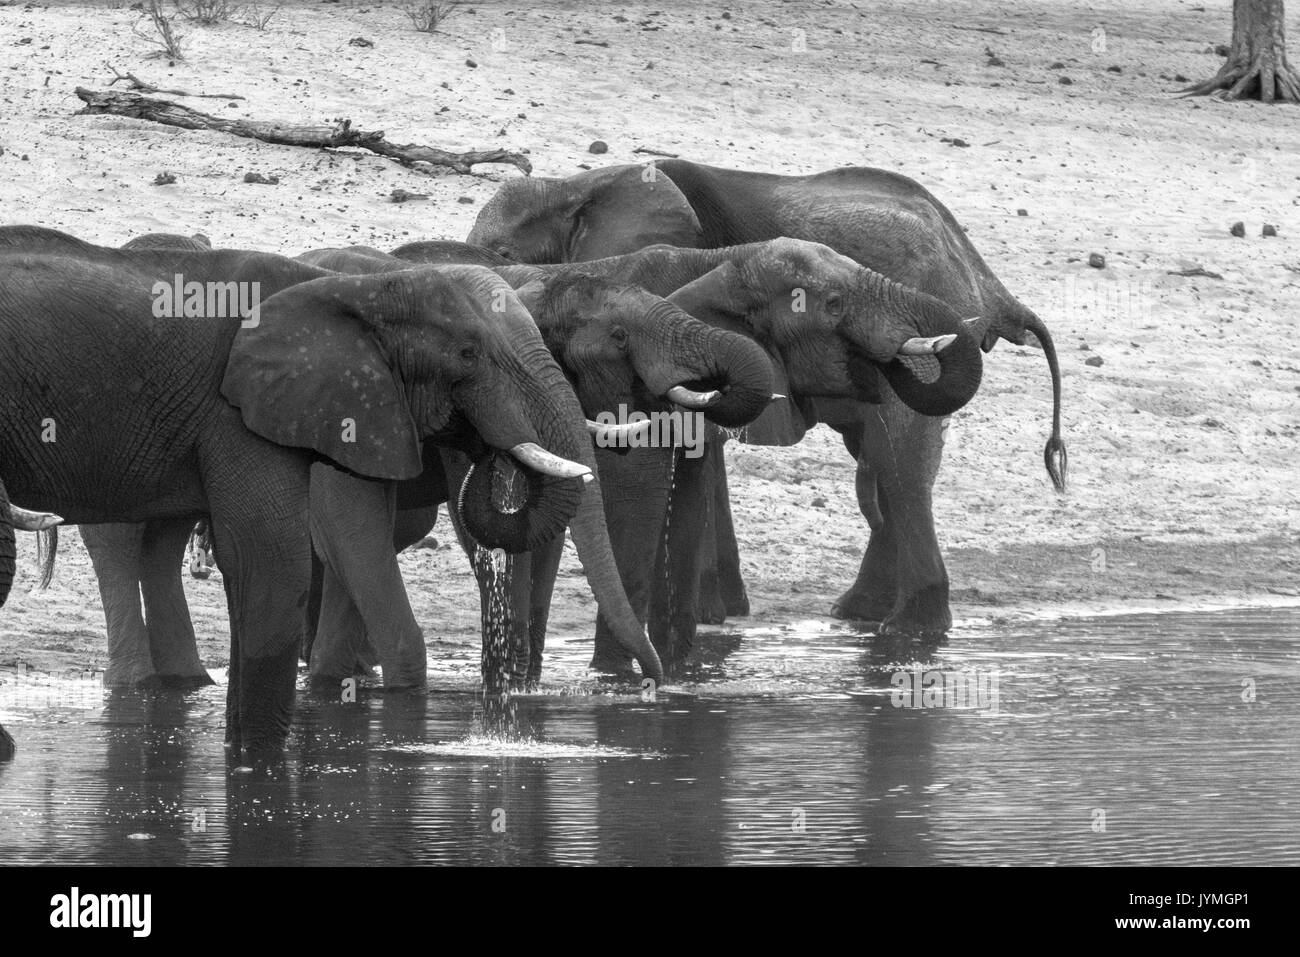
x,y
406,681
925,613
616,664
328,685
731,590
856,605
184,682
737,606
710,607
132,677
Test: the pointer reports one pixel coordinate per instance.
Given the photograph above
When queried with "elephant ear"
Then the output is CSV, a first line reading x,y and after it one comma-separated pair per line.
x,y
311,375
720,298
622,209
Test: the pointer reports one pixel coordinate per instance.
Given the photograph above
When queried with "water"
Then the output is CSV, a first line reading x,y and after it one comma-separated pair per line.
x,y
1121,740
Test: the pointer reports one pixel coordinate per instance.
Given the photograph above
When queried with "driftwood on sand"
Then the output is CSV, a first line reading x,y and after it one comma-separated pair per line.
x,y
339,135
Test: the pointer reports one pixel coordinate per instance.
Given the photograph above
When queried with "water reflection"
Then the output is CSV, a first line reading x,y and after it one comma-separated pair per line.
x,y
1145,739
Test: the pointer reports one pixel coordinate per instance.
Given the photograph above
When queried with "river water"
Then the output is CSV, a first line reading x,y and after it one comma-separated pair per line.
x,y
1139,739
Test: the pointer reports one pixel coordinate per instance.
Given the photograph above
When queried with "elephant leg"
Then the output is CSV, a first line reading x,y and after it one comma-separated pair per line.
x,y
722,588
545,562
710,606
521,646
672,619
115,551
258,502
340,634
352,530
731,583
312,613
871,596
172,644
902,582
636,486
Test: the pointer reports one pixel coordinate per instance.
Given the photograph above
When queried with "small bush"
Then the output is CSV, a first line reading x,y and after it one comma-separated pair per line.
x,y
258,14
156,27
206,12
427,16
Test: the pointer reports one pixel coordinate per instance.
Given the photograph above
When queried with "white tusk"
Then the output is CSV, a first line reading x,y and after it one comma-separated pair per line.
x,y
26,521
693,400
540,460
777,396
924,347
613,431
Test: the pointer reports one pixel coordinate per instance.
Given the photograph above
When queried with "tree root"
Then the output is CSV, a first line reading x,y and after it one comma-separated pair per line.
x,y
1262,79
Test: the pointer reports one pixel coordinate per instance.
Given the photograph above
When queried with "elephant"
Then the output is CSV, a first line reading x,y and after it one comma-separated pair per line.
x,y
881,219
118,412
151,640
622,348
436,251
831,329
160,576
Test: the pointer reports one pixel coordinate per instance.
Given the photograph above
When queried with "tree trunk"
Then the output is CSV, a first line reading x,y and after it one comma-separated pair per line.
x,y
1256,67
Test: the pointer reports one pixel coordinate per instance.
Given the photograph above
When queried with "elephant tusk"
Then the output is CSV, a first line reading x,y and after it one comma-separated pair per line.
x,y
26,521
540,460
777,396
919,346
693,400
615,432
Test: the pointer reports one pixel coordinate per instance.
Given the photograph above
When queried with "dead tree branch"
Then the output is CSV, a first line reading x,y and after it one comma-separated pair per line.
x,y
138,84
339,135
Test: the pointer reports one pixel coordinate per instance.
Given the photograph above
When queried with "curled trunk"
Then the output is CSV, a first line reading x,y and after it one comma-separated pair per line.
x,y
961,365
740,369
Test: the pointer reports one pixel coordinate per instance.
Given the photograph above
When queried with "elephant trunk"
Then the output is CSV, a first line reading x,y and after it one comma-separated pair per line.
x,y
567,436
737,367
902,314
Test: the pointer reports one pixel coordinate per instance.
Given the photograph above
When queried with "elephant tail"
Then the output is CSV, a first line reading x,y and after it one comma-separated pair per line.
x,y
1011,323
47,546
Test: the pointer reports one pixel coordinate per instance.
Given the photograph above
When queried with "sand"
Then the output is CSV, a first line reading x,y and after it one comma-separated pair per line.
x,y
1183,443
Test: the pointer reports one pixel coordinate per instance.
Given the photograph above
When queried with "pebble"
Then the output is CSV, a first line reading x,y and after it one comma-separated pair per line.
x,y
1096,260
600,146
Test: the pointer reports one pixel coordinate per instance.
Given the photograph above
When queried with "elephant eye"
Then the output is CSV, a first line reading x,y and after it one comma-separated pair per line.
x,y
619,335
469,354
834,304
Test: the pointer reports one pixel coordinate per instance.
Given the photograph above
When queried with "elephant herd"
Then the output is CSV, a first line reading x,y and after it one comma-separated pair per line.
x,y
319,426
